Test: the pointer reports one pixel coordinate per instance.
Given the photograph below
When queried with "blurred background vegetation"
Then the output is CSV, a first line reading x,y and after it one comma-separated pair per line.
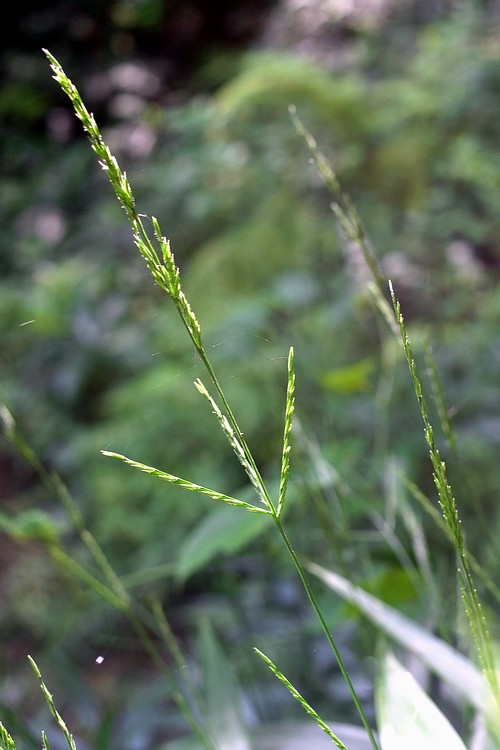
x,y
192,97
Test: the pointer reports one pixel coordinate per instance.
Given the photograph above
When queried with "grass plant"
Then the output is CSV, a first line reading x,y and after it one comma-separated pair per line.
x,y
155,250
161,263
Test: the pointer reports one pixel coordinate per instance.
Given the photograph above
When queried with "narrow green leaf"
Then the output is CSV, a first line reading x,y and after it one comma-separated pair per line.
x,y
35,525
187,692
67,562
221,691
185,484
31,524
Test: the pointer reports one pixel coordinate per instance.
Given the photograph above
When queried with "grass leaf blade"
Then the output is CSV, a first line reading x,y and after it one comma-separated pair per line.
x,y
450,665
406,716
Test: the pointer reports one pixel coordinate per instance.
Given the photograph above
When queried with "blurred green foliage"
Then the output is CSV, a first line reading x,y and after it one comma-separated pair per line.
x,y
93,357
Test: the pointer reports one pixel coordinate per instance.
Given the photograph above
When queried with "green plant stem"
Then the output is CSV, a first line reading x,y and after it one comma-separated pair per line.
x,y
331,641
447,502
293,555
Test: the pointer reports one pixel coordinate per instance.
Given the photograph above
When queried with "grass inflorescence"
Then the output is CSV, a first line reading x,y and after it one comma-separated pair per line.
x,y
161,263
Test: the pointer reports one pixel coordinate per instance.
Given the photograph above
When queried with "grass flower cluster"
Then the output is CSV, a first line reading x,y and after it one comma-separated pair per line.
x,y
162,265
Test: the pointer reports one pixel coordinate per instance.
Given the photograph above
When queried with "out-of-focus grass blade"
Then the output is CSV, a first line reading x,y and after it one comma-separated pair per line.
x,y
450,665
221,695
223,531
406,717
304,735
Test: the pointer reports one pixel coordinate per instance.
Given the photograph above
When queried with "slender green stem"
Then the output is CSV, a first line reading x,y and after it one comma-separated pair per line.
x,y
331,641
295,559
449,509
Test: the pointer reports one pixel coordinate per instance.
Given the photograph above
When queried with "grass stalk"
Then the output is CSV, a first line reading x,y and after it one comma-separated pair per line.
x,y
162,266
328,635
355,233
342,207
448,505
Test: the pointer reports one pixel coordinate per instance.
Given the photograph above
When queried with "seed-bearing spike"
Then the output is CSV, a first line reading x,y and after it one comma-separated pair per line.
x,y
289,409
185,484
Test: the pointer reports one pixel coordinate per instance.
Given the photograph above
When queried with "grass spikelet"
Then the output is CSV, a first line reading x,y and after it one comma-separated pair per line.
x,y
342,206
53,710
285,457
165,273
448,505
298,697
185,484
236,443
6,741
